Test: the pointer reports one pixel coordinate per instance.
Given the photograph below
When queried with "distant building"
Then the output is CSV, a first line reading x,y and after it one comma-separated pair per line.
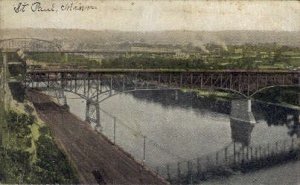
x,y
149,49
181,55
263,54
238,51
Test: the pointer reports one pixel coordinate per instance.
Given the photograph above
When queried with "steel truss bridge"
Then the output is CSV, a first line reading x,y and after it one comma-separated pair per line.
x,y
96,86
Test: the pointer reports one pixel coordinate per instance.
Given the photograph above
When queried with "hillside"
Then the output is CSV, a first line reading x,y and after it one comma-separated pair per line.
x,y
110,37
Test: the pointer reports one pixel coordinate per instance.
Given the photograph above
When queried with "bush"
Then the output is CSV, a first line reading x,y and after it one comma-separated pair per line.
x,y
19,123
53,163
14,166
44,131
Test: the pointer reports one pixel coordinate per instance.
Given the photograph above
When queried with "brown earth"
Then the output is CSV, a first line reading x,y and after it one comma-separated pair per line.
x,y
92,154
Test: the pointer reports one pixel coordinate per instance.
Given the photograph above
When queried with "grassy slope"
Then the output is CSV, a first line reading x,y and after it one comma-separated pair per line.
x,y
28,153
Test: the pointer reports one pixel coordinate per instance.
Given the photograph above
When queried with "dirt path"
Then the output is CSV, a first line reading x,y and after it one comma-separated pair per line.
x,y
88,150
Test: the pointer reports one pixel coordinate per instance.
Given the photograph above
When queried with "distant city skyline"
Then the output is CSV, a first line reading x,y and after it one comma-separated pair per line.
x,y
156,15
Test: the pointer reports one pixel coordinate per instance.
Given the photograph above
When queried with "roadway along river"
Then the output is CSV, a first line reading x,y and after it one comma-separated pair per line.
x,y
187,127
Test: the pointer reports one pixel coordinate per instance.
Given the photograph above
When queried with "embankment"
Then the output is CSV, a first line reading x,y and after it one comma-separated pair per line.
x,y
96,158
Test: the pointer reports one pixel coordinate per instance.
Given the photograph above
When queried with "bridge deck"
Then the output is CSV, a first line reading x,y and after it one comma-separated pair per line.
x,y
90,150
157,71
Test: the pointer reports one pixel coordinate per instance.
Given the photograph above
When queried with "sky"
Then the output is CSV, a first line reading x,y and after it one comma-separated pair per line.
x,y
155,15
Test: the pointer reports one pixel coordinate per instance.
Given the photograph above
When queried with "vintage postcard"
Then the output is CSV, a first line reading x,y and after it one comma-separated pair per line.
x,y
149,92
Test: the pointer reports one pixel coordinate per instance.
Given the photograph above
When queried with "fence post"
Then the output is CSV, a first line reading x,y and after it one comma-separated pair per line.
x,y
256,157
198,166
217,158
268,152
251,153
292,147
115,130
189,174
243,155
168,172
144,151
178,172
207,162
247,153
226,156
234,154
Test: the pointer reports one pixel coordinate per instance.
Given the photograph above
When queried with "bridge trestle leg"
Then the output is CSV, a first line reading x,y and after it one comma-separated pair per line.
x,y
92,114
249,104
87,110
111,86
98,124
62,98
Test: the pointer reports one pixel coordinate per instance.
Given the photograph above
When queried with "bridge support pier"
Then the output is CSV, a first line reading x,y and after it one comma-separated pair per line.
x,y
92,114
87,110
242,121
62,98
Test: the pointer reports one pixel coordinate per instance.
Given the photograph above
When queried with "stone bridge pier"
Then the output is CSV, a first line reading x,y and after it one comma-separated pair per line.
x,y
242,121
92,114
62,99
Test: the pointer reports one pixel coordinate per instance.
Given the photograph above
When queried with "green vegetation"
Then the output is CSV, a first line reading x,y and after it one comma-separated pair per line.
x,y
63,60
29,155
247,56
148,62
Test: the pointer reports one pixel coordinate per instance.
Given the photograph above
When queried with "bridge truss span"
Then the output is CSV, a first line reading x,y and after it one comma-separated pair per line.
x,y
29,45
245,83
95,86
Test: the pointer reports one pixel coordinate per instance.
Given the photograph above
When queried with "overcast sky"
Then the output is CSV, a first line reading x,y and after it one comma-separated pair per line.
x,y
158,15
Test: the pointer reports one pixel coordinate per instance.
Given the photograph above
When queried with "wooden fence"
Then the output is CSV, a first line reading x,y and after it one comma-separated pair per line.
x,y
232,157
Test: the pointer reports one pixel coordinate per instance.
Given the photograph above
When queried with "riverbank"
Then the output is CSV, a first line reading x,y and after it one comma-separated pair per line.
x,y
287,173
279,96
96,158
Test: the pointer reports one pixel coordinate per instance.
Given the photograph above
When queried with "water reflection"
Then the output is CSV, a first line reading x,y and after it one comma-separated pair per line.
x,y
242,120
186,124
279,116
171,98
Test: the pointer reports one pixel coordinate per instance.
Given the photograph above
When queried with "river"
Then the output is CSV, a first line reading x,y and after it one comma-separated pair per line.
x,y
158,128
